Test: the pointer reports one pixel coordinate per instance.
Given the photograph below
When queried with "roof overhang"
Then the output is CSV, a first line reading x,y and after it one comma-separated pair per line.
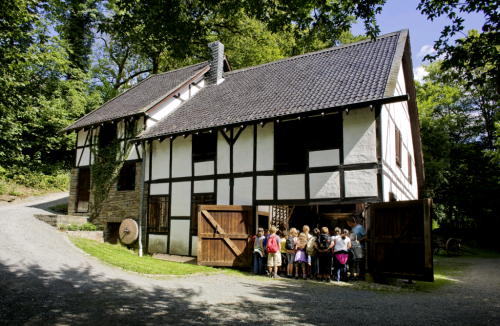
x,y
100,123
300,115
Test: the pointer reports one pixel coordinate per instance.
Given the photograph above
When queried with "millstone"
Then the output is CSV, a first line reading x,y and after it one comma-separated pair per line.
x,y
129,231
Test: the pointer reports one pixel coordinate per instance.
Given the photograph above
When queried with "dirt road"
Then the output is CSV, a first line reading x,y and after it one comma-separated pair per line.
x,y
45,281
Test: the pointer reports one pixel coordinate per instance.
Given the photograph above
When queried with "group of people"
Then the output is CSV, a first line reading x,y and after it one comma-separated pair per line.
x,y
319,255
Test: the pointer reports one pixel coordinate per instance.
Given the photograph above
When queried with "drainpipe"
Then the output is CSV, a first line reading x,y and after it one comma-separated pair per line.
x,y
143,145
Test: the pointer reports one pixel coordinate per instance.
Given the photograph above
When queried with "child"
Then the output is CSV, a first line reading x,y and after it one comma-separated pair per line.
x,y
305,229
273,253
258,252
324,245
290,251
342,244
301,256
312,252
284,262
264,245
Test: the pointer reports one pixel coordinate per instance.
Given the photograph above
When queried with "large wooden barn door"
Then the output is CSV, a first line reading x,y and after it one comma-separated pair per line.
x,y
224,235
400,240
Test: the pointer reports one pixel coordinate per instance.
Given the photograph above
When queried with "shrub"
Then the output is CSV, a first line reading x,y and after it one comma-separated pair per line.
x,y
3,187
73,227
63,226
88,227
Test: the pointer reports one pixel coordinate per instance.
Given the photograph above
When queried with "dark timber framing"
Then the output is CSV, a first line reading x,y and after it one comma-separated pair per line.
x,y
232,135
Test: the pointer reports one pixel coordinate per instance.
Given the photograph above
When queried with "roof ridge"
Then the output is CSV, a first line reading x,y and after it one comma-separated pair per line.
x,y
333,48
167,72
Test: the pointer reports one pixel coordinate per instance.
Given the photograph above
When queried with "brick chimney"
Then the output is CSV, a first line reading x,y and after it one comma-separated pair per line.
x,y
216,63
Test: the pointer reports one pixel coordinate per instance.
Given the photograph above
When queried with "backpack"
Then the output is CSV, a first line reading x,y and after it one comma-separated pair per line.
x,y
356,250
310,250
290,243
272,245
323,241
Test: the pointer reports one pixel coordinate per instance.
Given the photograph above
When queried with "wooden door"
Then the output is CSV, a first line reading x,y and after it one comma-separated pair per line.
x,y
224,235
400,240
114,232
83,195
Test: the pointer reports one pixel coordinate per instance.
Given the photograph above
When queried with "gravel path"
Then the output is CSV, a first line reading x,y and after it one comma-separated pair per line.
x,y
44,280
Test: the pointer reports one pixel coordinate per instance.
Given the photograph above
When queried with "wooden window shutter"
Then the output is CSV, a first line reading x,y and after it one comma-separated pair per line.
x,y
410,179
398,147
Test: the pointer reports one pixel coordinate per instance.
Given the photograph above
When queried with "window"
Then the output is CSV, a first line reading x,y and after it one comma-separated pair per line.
x,y
126,180
398,147
196,202
294,139
410,176
107,133
158,214
204,146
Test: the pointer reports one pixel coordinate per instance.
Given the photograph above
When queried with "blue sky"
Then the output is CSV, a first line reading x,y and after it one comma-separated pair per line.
x,y
399,14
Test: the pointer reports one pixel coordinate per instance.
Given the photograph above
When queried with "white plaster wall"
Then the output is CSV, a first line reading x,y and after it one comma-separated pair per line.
x,y
223,154
324,185
181,156
181,199
223,192
392,115
84,157
361,183
157,243
264,188
243,191
204,186
359,136
265,147
161,159
263,208
159,189
291,186
324,158
133,154
243,150
204,168
82,136
194,248
179,237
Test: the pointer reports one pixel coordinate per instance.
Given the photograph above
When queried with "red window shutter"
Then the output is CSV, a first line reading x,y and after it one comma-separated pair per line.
x,y
398,147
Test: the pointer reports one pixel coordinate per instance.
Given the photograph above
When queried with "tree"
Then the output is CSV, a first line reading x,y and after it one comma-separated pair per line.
x,y
474,52
74,21
454,124
180,27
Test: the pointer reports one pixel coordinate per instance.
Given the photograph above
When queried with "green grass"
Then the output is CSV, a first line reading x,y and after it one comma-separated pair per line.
x,y
446,272
120,256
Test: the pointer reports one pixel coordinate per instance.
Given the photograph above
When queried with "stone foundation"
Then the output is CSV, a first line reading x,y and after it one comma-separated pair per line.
x,y
91,235
119,206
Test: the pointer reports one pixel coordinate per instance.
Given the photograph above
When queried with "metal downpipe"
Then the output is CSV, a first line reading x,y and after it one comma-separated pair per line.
x,y
143,145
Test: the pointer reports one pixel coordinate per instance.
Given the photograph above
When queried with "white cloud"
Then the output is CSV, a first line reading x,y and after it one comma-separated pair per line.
x,y
419,73
425,50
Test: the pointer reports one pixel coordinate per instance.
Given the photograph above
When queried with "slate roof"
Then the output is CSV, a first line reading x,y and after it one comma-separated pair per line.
x,y
140,97
336,76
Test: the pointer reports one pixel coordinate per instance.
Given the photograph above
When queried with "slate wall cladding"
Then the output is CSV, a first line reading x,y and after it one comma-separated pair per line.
x,y
119,206
217,62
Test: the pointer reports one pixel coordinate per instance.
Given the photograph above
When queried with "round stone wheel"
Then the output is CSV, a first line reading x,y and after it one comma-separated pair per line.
x,y
129,231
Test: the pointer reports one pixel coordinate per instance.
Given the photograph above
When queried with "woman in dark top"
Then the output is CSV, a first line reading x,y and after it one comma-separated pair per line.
x,y
324,245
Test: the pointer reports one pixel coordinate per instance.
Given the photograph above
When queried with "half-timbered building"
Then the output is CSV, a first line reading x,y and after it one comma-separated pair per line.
x,y
309,139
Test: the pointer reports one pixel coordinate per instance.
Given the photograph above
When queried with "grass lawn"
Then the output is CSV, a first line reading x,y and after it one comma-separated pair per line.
x,y
120,256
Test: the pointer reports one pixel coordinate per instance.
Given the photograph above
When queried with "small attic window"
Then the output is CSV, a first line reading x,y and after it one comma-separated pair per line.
x,y
205,146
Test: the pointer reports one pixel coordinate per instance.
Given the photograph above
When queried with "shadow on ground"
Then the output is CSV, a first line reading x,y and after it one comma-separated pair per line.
x,y
45,206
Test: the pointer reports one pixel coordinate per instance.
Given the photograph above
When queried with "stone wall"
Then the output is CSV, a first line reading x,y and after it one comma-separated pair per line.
x,y
56,220
73,191
119,206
